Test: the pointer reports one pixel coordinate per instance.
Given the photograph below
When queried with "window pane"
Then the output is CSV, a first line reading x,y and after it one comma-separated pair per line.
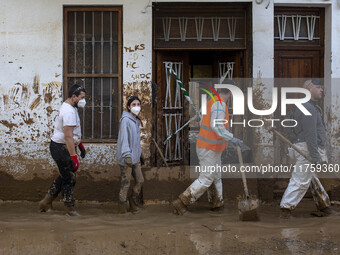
x,y
70,26
99,117
71,58
115,57
92,48
79,26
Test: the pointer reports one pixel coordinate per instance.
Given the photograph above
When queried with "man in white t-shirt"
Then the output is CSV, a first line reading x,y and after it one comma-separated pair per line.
x,y
66,136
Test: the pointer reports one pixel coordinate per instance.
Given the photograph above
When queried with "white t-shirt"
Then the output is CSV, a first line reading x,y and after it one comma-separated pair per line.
x,y
67,116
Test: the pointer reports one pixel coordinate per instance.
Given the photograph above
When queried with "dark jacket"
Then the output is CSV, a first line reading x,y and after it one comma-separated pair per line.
x,y
310,129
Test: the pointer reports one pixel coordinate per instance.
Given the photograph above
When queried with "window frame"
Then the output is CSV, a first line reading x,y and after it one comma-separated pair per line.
x,y
118,75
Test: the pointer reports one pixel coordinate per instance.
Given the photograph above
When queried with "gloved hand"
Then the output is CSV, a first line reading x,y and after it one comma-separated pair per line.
x,y
235,141
76,162
142,160
128,161
82,150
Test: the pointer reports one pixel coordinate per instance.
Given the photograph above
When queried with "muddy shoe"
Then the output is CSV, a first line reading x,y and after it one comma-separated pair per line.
x,y
323,213
133,204
138,201
218,209
179,207
285,213
70,211
122,207
46,203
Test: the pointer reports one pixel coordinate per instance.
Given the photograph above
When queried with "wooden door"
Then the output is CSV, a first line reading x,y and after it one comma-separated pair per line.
x,y
297,64
171,110
290,64
299,53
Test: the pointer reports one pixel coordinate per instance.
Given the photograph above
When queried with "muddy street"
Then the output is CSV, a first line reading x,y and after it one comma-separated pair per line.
x,y
155,230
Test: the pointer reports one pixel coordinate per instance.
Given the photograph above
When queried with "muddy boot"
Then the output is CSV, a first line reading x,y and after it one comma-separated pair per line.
x,y
218,209
179,207
122,207
323,212
285,213
70,211
133,204
46,203
138,201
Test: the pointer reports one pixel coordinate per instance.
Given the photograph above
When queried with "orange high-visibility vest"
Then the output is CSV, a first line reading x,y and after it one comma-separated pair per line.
x,y
207,138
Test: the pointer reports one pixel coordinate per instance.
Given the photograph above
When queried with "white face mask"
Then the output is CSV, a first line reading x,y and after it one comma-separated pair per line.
x,y
135,110
81,103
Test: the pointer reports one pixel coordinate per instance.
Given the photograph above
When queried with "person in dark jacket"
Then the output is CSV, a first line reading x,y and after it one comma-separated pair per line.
x,y
128,155
310,139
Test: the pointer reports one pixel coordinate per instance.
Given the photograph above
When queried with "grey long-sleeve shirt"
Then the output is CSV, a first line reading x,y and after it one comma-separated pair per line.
x,y
128,144
310,129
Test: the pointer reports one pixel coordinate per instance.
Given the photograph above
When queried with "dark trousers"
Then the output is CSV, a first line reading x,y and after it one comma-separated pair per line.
x,y
67,178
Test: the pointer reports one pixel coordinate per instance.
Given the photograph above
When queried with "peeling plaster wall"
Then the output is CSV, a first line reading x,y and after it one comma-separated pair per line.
x,y
31,51
263,72
332,80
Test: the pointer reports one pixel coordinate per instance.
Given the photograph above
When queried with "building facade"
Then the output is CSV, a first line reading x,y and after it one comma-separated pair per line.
x,y
120,48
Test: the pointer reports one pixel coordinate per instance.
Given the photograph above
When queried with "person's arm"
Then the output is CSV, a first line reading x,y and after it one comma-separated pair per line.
x,y
309,128
218,113
68,133
124,139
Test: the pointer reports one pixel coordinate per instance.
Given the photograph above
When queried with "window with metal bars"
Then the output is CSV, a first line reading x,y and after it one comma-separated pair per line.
x,y
92,59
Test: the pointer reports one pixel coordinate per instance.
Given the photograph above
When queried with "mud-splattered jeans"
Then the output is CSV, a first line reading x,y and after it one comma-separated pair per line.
x,y
67,178
125,177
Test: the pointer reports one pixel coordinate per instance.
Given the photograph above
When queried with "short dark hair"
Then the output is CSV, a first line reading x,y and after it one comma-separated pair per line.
x,y
130,100
224,90
75,89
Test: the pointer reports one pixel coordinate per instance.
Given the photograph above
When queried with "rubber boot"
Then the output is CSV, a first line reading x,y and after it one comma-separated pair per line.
x,y
122,207
218,209
323,212
70,211
46,203
179,207
138,201
285,213
133,204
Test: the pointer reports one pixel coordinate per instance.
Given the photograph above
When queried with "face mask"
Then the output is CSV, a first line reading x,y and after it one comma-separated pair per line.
x,y
135,110
81,103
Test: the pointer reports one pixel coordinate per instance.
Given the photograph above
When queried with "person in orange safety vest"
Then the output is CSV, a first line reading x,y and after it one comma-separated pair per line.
x,y
212,140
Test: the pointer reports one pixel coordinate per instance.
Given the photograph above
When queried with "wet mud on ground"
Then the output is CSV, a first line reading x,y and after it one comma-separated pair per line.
x,y
155,230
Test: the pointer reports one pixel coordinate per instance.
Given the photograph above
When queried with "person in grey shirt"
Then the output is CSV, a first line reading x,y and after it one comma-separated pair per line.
x,y
128,155
310,139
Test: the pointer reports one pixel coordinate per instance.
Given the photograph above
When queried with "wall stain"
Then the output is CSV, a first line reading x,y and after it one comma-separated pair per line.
x,y
49,110
48,98
5,99
18,140
28,120
27,116
36,82
8,124
35,103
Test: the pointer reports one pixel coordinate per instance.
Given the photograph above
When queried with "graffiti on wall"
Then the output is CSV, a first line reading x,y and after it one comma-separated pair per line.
x,y
138,83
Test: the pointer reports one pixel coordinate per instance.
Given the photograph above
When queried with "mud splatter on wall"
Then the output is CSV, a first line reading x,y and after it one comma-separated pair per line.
x,y
138,82
28,111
